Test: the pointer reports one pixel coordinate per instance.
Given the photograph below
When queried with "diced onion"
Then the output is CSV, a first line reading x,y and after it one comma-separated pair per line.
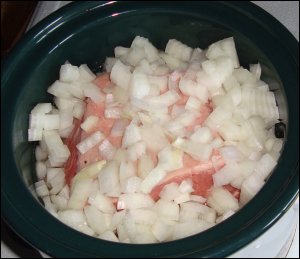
x,y
89,142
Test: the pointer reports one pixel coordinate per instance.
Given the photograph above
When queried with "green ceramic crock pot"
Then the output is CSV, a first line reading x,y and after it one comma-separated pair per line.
x,y
87,32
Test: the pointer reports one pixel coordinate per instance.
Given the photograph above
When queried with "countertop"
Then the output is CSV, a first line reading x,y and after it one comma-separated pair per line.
x,y
287,12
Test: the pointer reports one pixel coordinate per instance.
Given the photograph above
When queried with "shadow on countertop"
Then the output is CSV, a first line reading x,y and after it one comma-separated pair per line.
x,y
16,244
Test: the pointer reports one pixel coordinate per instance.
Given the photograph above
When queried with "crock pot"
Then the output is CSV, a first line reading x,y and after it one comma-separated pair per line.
x,y
87,32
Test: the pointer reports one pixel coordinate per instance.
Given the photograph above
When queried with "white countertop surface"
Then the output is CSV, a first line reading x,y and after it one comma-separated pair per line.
x,y
287,12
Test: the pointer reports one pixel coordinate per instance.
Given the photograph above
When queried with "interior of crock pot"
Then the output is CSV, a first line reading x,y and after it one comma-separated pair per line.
x,y
92,43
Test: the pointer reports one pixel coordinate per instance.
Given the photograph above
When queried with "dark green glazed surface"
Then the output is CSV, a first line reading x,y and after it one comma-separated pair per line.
x,y
87,32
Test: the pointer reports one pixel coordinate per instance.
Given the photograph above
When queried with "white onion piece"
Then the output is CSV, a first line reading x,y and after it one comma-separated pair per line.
x,y
140,85
197,150
64,133
35,134
101,202
58,152
68,73
109,179
40,154
170,158
41,188
112,113
127,170
198,198
52,172
90,122
186,186
49,206
109,100
131,136
161,82
230,82
122,234
42,108
178,50
109,236
57,182
132,185
195,207
134,201
265,165
120,95
89,172
197,55
167,209
143,216
109,63
162,229
107,150
217,117
65,118
118,128
172,62
177,110
192,88
138,233
117,219
250,188
134,55
182,198
59,202
190,228
63,103
202,135
236,95
44,121
147,106
76,89
85,73
145,166
51,121
226,174
193,104
95,219
153,178
166,99
136,150
159,118
244,77
81,190
154,137
223,48
120,155
92,91
182,120
120,51
222,200
170,192
150,51
59,89
225,216
65,192
231,154
120,75
218,70
79,107
72,218
89,142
